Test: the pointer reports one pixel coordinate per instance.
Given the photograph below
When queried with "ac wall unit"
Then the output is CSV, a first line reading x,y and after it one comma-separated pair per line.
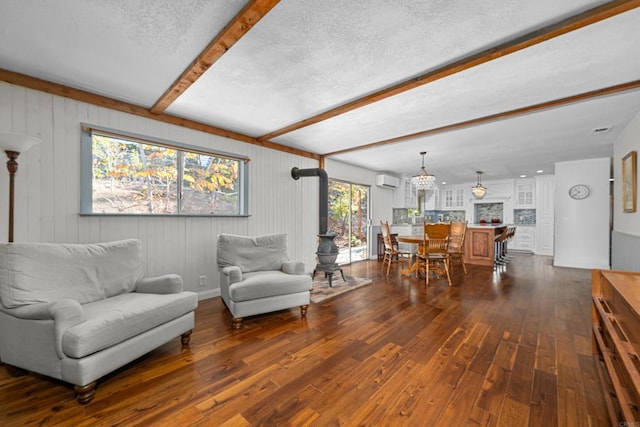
x,y
387,181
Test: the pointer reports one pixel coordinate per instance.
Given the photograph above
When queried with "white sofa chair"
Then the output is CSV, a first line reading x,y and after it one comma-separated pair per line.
x,y
257,277
76,312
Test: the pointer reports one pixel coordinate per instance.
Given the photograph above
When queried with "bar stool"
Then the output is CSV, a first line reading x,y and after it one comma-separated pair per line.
x,y
511,231
499,249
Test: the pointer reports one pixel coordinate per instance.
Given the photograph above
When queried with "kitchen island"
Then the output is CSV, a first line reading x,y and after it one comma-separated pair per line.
x,y
479,248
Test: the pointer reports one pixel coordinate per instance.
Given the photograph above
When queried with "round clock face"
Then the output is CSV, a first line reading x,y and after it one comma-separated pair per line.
x,y
579,192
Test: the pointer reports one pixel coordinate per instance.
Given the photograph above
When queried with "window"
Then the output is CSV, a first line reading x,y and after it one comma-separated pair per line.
x,y
128,174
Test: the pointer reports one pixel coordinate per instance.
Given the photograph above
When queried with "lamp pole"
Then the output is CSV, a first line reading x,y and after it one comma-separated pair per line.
x,y
13,144
12,167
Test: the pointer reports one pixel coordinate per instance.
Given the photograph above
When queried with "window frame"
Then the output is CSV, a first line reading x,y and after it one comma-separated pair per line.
x,y
86,171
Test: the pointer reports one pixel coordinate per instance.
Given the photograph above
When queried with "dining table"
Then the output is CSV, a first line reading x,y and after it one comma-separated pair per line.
x,y
414,240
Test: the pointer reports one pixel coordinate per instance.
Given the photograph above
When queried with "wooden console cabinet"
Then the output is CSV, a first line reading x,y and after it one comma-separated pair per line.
x,y
616,342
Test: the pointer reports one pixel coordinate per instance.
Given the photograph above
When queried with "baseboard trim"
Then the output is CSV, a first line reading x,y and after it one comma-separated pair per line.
x,y
209,293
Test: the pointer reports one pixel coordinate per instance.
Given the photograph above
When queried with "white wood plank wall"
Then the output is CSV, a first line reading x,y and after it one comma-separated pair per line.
x,y
48,190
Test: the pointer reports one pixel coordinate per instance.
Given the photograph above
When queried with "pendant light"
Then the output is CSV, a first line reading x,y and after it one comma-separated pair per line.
x,y
423,180
479,190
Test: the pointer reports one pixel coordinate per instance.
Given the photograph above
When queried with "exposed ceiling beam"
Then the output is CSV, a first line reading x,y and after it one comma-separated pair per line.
x,y
103,101
253,12
611,90
565,26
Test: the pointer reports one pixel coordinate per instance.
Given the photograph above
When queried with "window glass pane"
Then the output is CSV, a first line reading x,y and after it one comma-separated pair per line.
x,y
210,185
135,175
133,178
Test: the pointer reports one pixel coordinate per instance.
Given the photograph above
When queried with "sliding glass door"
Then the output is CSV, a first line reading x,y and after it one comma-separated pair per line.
x,y
349,219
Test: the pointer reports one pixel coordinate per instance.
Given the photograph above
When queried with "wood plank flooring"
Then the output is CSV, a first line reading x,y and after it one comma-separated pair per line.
x,y
509,347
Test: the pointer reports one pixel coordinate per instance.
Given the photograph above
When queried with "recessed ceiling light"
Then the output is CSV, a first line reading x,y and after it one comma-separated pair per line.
x,y
444,182
539,171
601,130
523,176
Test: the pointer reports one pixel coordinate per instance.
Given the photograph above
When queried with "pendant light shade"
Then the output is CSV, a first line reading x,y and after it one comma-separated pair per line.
x,y
423,180
479,190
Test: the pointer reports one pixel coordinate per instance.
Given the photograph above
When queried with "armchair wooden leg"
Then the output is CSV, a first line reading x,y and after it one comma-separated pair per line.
x,y
237,322
303,310
85,393
185,338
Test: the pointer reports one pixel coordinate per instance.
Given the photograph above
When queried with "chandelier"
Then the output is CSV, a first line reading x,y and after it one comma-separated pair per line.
x,y
423,180
478,190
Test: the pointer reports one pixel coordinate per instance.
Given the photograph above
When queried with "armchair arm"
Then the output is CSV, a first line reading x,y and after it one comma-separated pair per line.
x,y
167,284
233,274
65,313
293,267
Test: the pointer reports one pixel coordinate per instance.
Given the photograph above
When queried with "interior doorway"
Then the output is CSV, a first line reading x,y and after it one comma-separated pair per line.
x,y
349,219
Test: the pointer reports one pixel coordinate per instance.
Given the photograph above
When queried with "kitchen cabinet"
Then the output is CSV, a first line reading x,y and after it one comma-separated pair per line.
x,y
545,192
454,198
407,230
525,193
405,195
479,247
432,200
524,239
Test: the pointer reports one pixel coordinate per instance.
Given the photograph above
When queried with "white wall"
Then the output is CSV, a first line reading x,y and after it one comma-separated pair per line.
x,y
628,140
582,226
625,253
48,190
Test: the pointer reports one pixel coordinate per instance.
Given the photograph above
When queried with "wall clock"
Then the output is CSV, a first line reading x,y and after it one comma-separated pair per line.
x,y
579,191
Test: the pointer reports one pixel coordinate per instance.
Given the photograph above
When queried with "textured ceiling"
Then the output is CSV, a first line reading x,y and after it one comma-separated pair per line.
x,y
306,57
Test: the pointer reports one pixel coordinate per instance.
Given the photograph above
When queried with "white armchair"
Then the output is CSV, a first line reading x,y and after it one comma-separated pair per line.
x,y
76,312
257,277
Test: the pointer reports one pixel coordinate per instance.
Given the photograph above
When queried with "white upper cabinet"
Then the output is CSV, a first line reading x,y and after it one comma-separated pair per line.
x,y
454,198
405,195
525,193
432,200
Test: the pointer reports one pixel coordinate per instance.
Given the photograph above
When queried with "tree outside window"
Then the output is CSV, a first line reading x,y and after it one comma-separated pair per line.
x,y
132,177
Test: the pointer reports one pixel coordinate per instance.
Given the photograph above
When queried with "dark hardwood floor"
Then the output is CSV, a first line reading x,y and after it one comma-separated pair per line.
x,y
511,347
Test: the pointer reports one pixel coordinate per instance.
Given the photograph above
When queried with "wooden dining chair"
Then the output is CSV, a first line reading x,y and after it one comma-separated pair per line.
x,y
456,243
391,253
434,256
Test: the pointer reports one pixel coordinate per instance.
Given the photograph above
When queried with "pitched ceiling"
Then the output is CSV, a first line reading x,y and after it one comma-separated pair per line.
x,y
504,86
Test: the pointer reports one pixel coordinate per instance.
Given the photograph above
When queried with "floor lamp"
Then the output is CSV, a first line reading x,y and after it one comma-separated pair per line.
x,y
13,144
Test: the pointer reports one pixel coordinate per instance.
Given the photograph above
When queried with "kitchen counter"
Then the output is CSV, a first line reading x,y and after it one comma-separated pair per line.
x,y
479,248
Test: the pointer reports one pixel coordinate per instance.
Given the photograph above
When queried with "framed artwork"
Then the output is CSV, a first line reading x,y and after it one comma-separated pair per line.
x,y
629,189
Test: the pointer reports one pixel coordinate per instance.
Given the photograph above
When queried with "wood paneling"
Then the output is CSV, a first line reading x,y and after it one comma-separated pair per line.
x,y
395,352
48,189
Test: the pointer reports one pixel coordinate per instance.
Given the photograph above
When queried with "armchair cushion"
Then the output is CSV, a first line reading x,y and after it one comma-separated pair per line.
x,y
293,267
31,272
111,321
261,253
268,284
167,284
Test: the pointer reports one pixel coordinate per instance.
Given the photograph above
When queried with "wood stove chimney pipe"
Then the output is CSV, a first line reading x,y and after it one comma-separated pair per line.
x,y
323,197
